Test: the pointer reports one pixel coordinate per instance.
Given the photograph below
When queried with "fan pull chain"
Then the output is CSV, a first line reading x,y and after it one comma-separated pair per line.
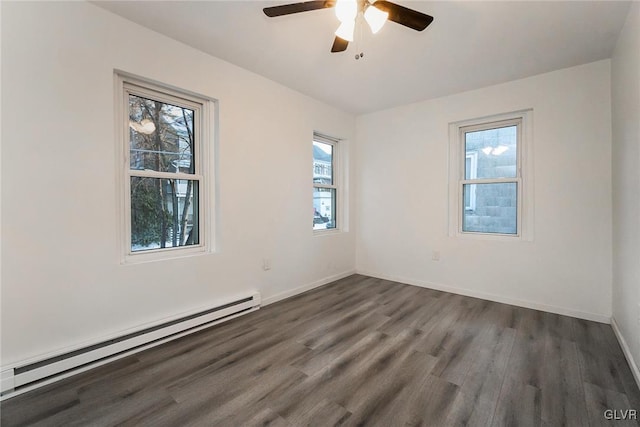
x,y
359,37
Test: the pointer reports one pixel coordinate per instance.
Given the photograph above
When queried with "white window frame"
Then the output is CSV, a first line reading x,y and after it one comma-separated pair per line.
x,y
473,157
336,159
204,121
523,179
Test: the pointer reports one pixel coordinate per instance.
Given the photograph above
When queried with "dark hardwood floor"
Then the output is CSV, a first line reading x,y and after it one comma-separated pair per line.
x,y
359,351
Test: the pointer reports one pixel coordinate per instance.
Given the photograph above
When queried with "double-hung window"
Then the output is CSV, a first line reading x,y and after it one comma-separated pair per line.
x,y
325,183
165,134
487,185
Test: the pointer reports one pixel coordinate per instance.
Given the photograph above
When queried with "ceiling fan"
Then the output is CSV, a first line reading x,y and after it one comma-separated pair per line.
x,y
376,13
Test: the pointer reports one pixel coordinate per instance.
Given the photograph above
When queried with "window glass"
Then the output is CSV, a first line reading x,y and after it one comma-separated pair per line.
x,y
161,136
324,204
322,163
495,208
325,183
496,151
164,213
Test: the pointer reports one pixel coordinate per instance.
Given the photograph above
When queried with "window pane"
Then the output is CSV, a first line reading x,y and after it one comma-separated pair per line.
x,y
164,213
324,208
322,163
161,136
495,151
490,208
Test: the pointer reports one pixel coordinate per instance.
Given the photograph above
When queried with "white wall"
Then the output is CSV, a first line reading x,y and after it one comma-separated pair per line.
x,y
402,196
625,90
62,282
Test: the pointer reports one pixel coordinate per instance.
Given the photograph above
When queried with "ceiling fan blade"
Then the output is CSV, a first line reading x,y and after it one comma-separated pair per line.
x,y
339,45
404,16
305,6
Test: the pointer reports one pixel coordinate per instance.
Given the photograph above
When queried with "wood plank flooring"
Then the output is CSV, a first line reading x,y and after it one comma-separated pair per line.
x,y
359,351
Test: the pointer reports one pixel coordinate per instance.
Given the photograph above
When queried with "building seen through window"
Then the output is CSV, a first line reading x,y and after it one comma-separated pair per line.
x,y
324,185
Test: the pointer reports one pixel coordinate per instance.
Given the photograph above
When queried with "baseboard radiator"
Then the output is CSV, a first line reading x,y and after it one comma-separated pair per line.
x,y
36,373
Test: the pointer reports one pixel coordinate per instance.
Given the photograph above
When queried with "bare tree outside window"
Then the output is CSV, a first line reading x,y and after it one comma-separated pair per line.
x,y
161,139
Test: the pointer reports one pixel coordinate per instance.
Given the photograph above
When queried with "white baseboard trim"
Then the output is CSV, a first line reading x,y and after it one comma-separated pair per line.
x,y
300,289
601,318
626,350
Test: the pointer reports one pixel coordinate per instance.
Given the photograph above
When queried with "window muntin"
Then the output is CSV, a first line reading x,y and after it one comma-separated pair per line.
x,y
325,188
164,183
490,184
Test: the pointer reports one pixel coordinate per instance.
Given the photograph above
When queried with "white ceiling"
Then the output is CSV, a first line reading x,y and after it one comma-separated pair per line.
x,y
470,44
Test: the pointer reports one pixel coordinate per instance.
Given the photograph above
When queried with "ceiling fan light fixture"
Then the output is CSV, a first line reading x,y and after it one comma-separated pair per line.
x,y
375,12
346,30
346,10
375,18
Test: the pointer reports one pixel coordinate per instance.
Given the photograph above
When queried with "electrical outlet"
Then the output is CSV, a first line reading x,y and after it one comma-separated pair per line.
x,y
435,256
266,264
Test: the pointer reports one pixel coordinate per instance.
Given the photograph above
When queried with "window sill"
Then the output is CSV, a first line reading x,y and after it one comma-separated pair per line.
x,y
492,237
326,232
164,255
